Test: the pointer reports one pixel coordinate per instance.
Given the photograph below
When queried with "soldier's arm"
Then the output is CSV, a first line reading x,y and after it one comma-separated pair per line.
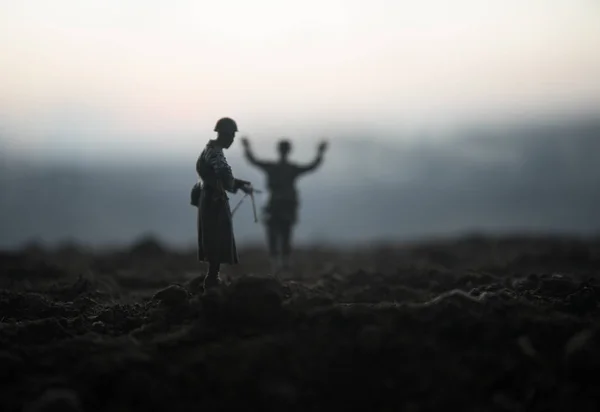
x,y
315,163
239,184
311,166
249,155
217,160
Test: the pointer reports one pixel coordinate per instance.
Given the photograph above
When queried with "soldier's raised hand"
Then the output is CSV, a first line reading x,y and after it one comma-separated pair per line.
x,y
245,142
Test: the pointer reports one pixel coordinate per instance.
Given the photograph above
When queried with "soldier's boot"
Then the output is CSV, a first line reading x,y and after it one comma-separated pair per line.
x,y
212,280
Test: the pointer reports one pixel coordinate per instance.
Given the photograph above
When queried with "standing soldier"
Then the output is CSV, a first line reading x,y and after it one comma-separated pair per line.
x,y
281,210
216,241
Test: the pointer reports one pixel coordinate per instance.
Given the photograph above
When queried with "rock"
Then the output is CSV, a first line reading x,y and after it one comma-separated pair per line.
x,y
172,295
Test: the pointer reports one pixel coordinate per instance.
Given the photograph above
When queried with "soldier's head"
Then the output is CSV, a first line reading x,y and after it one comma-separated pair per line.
x,y
284,147
226,129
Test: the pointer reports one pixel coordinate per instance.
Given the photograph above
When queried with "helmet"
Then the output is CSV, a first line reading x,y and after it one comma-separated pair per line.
x,y
226,124
284,145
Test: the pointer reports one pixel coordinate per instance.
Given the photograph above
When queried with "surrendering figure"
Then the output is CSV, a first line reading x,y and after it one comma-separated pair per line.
x,y
281,210
216,241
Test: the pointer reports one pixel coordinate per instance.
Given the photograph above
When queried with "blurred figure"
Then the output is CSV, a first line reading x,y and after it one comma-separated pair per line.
x,y
280,213
216,241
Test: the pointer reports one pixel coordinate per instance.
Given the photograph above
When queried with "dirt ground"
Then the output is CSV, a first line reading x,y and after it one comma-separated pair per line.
x,y
476,324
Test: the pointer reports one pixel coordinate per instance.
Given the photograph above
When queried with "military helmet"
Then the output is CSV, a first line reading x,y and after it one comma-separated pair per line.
x,y
226,124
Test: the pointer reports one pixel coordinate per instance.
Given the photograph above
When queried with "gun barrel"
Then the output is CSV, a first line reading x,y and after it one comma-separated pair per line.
x,y
253,207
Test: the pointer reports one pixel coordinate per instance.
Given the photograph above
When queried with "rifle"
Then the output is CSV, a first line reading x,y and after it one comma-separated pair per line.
x,y
251,194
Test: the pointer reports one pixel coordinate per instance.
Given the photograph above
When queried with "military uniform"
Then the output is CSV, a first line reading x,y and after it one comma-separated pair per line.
x,y
216,240
281,210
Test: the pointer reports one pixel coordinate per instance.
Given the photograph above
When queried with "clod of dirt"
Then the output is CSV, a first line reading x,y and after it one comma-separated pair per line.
x,y
249,300
73,290
527,283
56,400
583,300
582,356
196,285
172,295
98,326
556,286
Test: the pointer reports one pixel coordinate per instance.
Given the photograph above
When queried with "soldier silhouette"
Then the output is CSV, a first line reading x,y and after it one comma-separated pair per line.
x,y
281,210
216,241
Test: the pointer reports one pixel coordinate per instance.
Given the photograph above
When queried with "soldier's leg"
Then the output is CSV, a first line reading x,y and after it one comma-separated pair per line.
x,y
286,242
212,278
272,239
273,243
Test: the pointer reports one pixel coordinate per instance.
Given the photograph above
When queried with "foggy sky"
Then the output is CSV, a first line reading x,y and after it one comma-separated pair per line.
x,y
110,73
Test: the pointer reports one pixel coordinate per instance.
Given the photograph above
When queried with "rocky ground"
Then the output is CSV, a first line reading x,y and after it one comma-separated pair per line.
x,y
476,324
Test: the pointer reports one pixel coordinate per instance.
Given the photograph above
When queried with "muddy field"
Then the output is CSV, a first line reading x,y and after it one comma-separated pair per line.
x,y
476,324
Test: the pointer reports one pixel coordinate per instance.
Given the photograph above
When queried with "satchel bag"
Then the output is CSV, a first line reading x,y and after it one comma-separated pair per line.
x,y
195,194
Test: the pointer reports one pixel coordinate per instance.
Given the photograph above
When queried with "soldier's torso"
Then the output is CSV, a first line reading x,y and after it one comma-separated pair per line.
x,y
208,176
283,196
282,181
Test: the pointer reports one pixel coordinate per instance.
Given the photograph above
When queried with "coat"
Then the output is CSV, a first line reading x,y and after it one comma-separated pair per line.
x,y
216,240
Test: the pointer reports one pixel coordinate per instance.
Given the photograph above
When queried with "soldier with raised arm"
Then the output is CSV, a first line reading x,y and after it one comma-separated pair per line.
x,y
216,241
280,213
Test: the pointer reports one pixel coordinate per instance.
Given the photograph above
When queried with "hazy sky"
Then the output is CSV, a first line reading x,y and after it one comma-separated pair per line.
x,y
147,66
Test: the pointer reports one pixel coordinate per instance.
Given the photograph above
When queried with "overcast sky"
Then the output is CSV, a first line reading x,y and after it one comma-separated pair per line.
x,y
134,69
